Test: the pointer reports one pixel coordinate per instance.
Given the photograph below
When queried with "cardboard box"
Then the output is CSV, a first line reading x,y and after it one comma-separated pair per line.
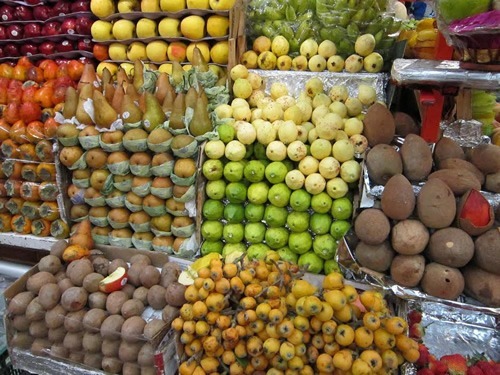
x,y
24,359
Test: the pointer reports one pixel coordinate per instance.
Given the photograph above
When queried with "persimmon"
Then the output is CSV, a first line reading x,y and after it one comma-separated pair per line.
x,y
14,91
12,169
43,96
4,130
24,61
59,94
40,227
11,112
46,171
18,132
48,191
2,175
30,111
30,191
13,188
20,73
35,74
3,191
59,229
6,70
3,201
27,152
14,205
28,172
10,149
50,68
44,151
21,224
50,128
75,70
49,211
29,92
100,52
62,70
34,131
5,220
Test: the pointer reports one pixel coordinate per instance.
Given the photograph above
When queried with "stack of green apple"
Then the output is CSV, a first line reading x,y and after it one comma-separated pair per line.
x,y
279,177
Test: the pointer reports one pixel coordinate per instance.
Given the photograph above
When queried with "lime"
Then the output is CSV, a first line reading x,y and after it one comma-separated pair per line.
x,y
259,151
300,200
320,223
342,208
255,232
212,169
339,228
279,195
249,152
257,192
288,255
321,203
208,247
236,192
276,238
311,262
254,212
330,266
300,243
216,189
275,216
226,132
254,171
257,251
337,188
289,165
232,248
233,171
211,230
234,213
276,172
212,209
325,246
298,221
233,233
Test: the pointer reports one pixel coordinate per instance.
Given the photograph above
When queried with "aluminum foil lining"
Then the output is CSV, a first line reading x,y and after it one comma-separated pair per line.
x,y
296,81
442,74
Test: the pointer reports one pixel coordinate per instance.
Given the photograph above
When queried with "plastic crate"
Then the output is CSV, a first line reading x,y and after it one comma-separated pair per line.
x,y
6,367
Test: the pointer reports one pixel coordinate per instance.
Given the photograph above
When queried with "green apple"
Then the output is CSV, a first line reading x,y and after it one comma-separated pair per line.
x,y
123,29
165,68
176,51
157,50
117,51
221,4
193,27
102,8
102,30
170,28
217,26
197,4
136,51
146,28
172,5
127,6
150,6
204,48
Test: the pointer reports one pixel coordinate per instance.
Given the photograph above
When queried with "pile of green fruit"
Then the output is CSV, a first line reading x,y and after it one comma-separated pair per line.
x,y
279,177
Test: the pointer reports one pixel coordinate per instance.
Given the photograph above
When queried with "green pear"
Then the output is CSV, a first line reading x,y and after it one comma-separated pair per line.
x,y
177,75
129,111
116,101
86,92
200,123
138,79
199,61
70,102
178,110
168,101
104,113
191,97
154,115
162,86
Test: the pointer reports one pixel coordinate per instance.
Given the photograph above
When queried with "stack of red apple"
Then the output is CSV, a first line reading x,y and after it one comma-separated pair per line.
x,y
38,28
29,96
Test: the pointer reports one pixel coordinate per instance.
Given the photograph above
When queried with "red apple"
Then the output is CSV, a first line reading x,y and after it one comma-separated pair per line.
x,y
113,282
11,50
86,60
14,32
32,30
51,28
42,12
6,13
64,46
34,2
28,49
3,33
47,48
68,26
23,13
80,6
85,45
2,54
83,25
61,8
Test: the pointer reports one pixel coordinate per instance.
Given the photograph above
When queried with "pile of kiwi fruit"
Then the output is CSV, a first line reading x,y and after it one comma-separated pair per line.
x,y
421,232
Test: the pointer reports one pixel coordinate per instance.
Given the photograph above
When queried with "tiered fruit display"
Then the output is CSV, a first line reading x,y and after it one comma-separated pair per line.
x,y
272,54
45,29
445,239
162,31
339,21
132,147
279,176
29,96
90,310
260,317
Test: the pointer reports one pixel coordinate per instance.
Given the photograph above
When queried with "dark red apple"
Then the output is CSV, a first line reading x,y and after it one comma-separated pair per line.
x,y
2,54
42,12
14,32
3,33
80,6
86,60
6,13
23,13
28,49
47,48
85,45
11,50
83,25
34,2
64,46
51,28
68,26
32,30
61,8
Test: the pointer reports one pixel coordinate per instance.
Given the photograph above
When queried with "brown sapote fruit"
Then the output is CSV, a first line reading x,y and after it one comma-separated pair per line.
x,y
475,215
